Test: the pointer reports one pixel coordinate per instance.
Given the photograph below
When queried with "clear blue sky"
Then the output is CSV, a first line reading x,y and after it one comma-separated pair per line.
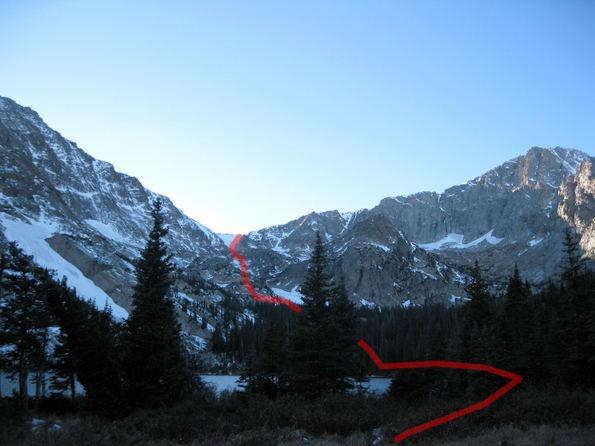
x,y
252,113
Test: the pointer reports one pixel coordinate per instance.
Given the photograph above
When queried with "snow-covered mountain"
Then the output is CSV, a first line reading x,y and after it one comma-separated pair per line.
x,y
417,248
79,216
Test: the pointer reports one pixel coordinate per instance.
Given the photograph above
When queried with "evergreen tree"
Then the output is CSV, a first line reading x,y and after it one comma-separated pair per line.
x,y
153,355
267,374
477,334
516,324
343,312
318,359
573,266
24,318
273,358
476,311
573,324
87,350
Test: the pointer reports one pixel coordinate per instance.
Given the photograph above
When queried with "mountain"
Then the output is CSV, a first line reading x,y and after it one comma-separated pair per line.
x,y
79,216
418,248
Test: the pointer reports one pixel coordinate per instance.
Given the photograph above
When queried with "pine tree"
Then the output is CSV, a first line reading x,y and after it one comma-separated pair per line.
x,y
516,324
318,359
273,358
477,334
349,366
267,374
476,311
573,324
24,318
153,355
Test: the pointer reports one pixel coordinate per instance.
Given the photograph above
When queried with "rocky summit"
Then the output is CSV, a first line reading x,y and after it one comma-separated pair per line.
x,y
418,248
80,217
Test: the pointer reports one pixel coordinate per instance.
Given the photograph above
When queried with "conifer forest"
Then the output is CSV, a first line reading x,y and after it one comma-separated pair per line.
x,y
301,375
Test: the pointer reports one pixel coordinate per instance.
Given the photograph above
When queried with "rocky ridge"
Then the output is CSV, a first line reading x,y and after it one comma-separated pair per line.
x,y
78,213
515,213
80,217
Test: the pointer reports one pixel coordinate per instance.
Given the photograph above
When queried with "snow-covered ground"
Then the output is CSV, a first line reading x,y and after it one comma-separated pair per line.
x,y
31,239
107,231
455,241
292,295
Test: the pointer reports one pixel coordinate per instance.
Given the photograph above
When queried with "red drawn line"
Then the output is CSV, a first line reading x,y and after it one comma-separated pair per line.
x,y
248,285
514,380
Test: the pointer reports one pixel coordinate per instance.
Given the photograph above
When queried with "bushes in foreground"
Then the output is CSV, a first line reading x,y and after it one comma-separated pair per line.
x,y
237,419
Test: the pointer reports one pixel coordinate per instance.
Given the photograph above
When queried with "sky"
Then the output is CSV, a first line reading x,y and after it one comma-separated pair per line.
x,y
249,114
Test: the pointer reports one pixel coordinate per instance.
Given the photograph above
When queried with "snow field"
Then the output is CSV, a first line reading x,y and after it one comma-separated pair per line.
x,y
31,238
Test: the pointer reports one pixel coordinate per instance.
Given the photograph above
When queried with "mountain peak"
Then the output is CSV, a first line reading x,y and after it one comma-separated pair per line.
x,y
81,209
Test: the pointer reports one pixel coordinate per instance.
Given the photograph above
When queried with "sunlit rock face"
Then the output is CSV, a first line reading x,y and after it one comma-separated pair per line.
x,y
510,215
577,205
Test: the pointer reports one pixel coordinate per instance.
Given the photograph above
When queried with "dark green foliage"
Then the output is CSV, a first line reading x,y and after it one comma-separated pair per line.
x,y
267,374
320,351
154,367
546,337
477,310
574,321
24,319
477,333
338,419
87,349
516,326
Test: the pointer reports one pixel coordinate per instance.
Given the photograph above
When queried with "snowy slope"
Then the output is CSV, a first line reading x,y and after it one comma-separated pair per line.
x,y
31,238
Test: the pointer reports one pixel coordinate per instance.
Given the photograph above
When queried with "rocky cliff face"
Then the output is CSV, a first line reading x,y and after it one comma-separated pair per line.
x,y
577,205
81,217
515,203
418,247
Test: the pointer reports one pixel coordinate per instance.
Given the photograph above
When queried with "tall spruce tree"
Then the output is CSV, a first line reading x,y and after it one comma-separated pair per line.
x,y
476,312
477,334
318,359
154,365
516,324
574,324
24,319
267,375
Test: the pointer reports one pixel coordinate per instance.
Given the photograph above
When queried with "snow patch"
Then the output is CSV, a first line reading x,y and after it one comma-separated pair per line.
x,y
292,295
31,239
455,241
383,247
365,303
107,231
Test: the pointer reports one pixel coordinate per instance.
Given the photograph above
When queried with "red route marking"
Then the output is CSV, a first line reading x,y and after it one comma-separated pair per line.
x,y
514,380
248,285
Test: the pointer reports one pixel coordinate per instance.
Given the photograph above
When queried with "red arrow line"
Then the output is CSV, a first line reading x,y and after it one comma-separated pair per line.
x,y
514,380
248,285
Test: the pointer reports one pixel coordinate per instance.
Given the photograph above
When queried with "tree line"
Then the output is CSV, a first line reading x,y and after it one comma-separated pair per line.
x,y
46,327
547,336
